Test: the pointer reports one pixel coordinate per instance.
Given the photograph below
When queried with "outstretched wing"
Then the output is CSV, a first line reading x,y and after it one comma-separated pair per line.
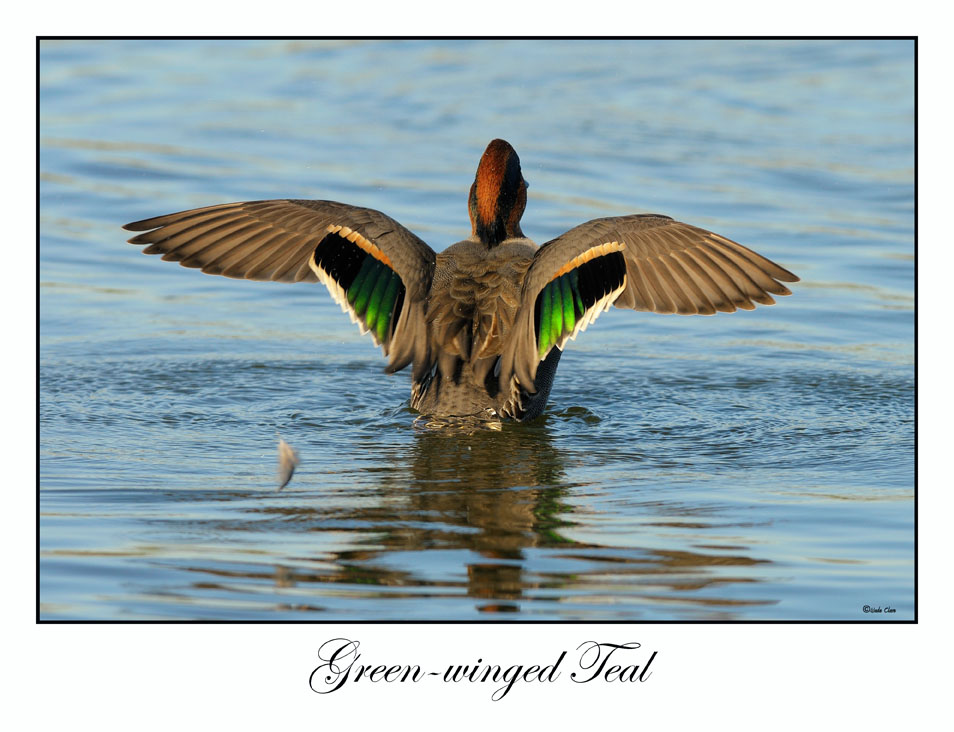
x,y
377,270
643,262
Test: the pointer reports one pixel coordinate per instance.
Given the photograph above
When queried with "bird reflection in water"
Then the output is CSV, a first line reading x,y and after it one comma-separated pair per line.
x,y
480,521
504,481
468,510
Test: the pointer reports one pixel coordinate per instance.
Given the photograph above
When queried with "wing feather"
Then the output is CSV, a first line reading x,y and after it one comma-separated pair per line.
x,y
310,241
667,267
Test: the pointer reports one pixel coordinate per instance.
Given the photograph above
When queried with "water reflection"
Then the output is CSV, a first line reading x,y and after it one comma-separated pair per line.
x,y
483,520
489,493
504,486
484,514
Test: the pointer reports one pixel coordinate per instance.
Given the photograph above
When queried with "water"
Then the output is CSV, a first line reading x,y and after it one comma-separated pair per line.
x,y
743,467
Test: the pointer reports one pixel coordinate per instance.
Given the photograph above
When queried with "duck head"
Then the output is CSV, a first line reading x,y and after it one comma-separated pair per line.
x,y
498,195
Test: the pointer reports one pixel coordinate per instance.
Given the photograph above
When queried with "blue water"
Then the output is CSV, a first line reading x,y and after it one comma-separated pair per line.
x,y
749,466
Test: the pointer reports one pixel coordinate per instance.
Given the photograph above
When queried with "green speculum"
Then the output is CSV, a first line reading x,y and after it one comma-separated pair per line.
x,y
560,307
373,293
565,299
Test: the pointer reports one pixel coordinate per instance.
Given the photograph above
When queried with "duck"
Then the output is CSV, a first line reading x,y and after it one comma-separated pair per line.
x,y
483,323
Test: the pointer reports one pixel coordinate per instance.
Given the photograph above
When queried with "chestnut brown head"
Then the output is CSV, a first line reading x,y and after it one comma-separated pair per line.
x,y
498,195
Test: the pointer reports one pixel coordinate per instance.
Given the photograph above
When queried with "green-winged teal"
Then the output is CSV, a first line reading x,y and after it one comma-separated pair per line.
x,y
484,322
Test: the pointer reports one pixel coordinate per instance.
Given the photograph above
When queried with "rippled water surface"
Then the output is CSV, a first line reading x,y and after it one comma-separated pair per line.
x,y
748,466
